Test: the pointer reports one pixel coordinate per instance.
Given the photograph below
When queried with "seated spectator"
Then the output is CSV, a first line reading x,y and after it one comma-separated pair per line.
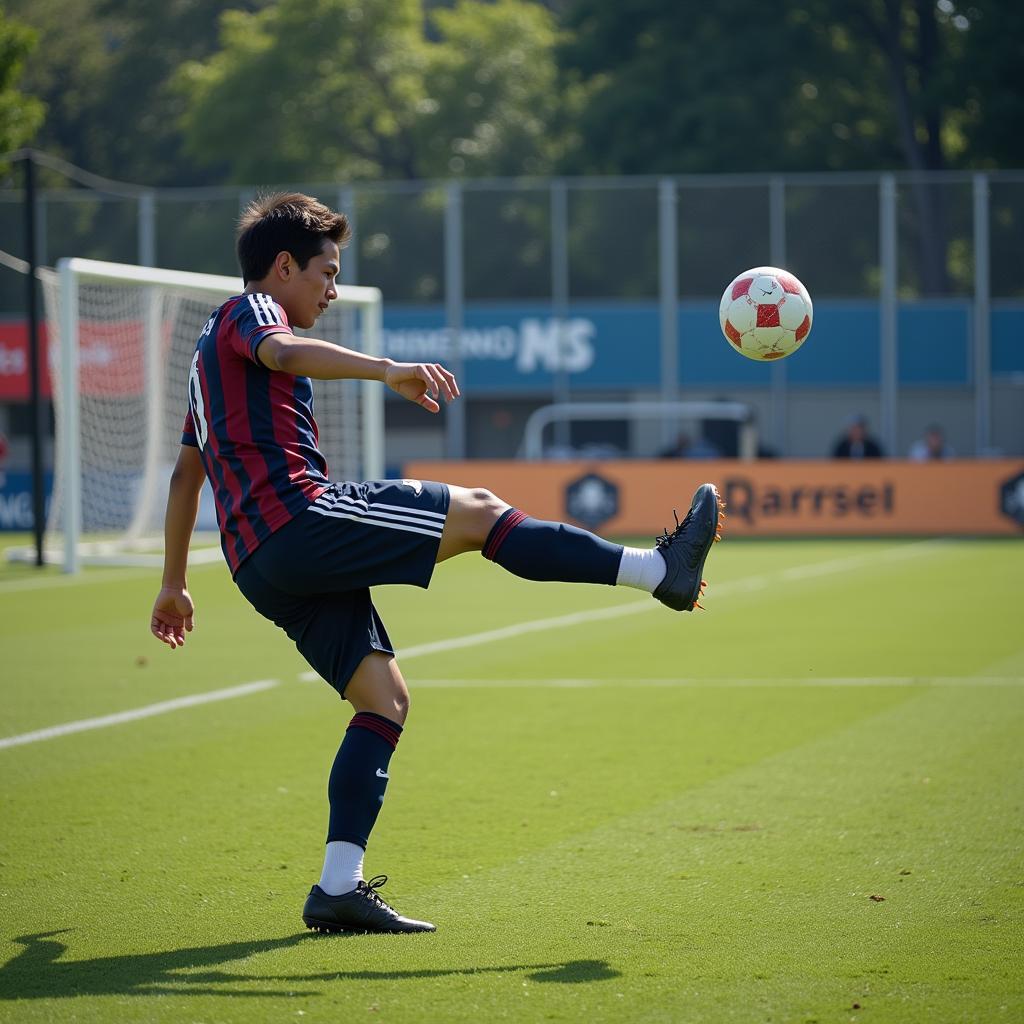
x,y
856,442
932,446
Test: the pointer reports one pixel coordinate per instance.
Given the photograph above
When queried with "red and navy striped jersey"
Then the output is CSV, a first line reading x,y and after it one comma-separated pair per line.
x,y
253,426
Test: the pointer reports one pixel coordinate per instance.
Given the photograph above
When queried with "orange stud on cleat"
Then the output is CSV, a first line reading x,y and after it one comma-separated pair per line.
x,y
697,604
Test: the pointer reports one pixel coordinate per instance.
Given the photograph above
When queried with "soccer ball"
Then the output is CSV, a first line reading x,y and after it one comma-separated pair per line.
x,y
766,313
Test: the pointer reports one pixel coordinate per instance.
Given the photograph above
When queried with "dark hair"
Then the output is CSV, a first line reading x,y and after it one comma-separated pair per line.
x,y
286,222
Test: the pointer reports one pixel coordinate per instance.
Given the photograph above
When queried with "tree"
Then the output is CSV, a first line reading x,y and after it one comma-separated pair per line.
x,y
20,115
103,69
492,83
308,90
824,85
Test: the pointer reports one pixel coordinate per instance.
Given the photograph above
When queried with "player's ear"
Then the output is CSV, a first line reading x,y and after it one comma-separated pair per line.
x,y
284,264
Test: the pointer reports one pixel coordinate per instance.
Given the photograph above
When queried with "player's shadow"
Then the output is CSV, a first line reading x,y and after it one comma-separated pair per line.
x,y
38,972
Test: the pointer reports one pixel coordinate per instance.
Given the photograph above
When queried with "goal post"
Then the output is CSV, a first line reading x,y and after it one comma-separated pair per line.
x,y
121,338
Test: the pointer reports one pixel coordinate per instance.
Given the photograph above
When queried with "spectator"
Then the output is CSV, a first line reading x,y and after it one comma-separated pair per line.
x,y
931,446
856,442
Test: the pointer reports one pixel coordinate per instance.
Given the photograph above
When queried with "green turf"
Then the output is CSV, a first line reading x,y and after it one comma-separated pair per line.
x,y
639,816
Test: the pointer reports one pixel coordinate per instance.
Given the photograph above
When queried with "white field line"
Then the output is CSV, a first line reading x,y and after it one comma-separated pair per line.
x,y
85,724
645,604
751,583
713,684
49,581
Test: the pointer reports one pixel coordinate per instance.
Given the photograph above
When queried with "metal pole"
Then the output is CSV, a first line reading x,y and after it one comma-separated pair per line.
x,y
777,254
982,319
668,295
455,413
560,296
350,257
366,336
147,230
888,331
70,458
32,309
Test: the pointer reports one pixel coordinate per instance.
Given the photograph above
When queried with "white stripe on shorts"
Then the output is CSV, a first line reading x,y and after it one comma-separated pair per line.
x,y
421,517
392,523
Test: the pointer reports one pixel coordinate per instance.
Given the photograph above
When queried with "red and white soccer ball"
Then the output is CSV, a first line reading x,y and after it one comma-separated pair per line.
x,y
766,313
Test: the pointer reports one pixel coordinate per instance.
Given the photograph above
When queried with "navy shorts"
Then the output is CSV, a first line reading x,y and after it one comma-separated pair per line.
x,y
312,577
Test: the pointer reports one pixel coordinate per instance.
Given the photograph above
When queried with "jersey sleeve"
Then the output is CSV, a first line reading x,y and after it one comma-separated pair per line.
x,y
256,316
188,431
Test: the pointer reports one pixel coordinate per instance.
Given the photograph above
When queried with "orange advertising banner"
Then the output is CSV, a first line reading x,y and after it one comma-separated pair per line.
x,y
765,498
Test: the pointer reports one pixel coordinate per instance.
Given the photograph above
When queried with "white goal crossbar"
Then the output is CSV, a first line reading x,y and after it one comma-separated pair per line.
x,y
202,291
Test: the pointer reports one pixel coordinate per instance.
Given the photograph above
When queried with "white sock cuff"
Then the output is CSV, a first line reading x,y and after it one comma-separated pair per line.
x,y
641,569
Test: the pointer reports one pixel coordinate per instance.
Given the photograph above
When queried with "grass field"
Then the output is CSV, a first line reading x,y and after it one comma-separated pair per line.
x,y
805,804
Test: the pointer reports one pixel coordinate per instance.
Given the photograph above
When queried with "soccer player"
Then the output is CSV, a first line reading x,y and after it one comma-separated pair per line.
x,y
305,551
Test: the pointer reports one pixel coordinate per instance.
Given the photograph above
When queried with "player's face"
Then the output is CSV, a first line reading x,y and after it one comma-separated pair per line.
x,y
312,289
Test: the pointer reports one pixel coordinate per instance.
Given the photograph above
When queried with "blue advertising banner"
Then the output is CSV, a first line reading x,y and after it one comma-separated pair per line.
x,y
517,347
16,500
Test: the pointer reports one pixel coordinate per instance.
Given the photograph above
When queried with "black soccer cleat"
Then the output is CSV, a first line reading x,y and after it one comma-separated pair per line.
x,y
361,910
686,548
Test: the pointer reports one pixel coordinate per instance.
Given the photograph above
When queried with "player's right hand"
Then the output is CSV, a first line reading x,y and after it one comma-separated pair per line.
x,y
422,383
172,616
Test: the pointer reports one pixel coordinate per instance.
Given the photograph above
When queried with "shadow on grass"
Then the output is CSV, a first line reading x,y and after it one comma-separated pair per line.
x,y
38,972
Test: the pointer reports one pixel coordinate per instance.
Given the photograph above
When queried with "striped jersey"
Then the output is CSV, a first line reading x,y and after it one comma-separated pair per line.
x,y
253,426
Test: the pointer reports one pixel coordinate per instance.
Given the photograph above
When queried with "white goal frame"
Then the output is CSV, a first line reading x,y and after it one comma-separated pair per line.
x,y
70,273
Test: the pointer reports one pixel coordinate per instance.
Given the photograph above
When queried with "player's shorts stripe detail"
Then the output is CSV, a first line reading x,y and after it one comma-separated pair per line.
x,y
507,522
334,501
420,517
377,520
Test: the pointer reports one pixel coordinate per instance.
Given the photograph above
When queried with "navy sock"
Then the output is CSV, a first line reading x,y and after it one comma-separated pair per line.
x,y
359,777
539,550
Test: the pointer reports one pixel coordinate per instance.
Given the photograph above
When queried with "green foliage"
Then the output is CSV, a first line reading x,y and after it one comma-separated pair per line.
x,y
169,91
104,69
821,85
349,89
20,114
492,87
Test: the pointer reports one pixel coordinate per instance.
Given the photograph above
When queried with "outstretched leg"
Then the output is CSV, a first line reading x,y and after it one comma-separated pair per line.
x,y
538,550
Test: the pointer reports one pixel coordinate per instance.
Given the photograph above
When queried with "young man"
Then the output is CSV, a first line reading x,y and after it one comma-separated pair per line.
x,y
305,551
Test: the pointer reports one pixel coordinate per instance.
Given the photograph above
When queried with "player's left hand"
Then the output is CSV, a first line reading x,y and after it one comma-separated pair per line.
x,y
172,616
422,383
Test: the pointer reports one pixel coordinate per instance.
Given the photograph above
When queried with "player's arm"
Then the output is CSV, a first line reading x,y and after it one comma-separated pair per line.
x,y
172,610
423,383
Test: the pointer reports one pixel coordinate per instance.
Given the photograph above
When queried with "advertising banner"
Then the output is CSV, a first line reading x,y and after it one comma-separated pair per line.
x,y
110,359
16,500
767,498
523,347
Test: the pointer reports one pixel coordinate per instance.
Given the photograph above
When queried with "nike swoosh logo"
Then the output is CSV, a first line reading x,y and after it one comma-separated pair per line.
x,y
382,775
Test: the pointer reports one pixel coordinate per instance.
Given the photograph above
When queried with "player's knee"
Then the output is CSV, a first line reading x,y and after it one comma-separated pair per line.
x,y
401,706
487,508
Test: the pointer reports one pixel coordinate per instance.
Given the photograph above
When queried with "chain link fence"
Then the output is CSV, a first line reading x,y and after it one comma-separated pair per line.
x,y
555,290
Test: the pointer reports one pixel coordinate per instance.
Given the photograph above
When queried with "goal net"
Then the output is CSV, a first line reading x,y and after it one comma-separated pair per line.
x,y
121,342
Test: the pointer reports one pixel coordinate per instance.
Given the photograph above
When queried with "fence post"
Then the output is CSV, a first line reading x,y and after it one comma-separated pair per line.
x,y
777,254
668,294
147,229
560,296
455,413
888,330
350,257
982,324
